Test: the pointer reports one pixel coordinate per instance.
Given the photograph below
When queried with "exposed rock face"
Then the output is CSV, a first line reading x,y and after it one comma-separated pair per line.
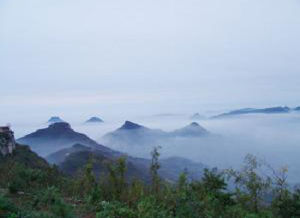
x,y
7,141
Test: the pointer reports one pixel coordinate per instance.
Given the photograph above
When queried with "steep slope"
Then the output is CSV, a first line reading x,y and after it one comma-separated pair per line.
x,y
192,130
75,162
72,160
133,134
59,156
58,136
23,155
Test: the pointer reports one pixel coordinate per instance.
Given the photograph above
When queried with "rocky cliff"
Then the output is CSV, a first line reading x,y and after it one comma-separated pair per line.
x,y
7,141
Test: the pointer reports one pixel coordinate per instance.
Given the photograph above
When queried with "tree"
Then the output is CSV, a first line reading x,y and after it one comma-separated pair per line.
x,y
251,185
117,177
154,169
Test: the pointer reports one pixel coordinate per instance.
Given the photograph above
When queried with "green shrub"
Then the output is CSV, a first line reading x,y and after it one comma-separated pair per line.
x,y
115,210
52,200
6,206
149,207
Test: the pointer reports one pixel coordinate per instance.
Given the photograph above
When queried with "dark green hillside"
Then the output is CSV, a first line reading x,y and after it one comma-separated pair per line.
x,y
97,186
75,163
70,162
26,182
23,155
29,187
59,156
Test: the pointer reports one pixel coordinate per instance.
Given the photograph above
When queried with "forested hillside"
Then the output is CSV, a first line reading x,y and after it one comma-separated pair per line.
x,y
32,188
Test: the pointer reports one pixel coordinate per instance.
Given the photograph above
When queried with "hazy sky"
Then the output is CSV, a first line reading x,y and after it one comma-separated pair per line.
x,y
78,58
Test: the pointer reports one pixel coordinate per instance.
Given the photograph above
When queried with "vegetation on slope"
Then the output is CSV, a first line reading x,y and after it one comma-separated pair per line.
x,y
32,188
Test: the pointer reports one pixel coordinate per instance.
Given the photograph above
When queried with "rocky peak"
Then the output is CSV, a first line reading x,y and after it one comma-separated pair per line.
x,y
194,124
94,120
7,141
130,125
192,130
55,119
62,126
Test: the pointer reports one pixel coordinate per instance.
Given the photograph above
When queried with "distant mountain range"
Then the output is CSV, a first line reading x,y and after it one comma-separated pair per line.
x,y
135,134
57,136
132,133
71,150
271,110
77,157
71,160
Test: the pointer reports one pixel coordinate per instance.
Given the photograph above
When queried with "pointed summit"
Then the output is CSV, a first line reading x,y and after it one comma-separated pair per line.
x,y
94,120
197,116
130,134
55,119
60,126
192,130
194,124
130,125
55,137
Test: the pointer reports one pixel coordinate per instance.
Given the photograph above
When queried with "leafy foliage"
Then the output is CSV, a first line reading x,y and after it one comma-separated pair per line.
x,y
38,190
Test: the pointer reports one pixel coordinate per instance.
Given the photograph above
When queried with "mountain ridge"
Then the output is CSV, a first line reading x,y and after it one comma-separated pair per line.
x,y
243,111
57,136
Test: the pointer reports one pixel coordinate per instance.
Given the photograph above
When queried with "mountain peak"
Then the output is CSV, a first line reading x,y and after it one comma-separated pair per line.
x,y
57,136
192,130
55,119
60,125
94,120
130,125
194,124
197,116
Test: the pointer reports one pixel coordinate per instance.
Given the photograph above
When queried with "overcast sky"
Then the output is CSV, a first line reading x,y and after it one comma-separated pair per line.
x,y
78,58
